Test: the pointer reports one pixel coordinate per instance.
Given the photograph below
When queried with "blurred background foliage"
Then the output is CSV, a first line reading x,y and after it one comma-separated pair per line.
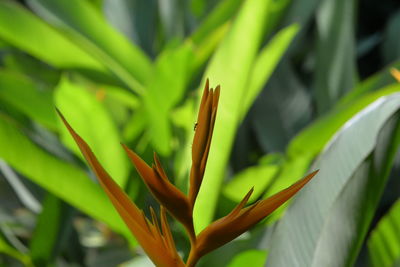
x,y
305,85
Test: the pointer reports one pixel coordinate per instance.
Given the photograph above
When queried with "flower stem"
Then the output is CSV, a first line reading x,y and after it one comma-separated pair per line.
x,y
193,258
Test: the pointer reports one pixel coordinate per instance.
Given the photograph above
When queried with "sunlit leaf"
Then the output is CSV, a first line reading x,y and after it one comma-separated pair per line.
x,y
256,257
259,176
221,13
87,28
266,62
164,91
62,179
230,67
27,97
34,36
5,248
315,136
88,115
384,241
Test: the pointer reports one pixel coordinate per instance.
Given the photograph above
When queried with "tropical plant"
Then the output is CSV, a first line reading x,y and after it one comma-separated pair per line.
x,y
158,242
302,81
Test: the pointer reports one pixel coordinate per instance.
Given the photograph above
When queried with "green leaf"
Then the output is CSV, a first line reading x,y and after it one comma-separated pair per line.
x,y
231,66
58,177
308,143
292,170
40,72
44,242
29,33
136,19
10,251
372,83
87,28
266,62
384,241
314,137
171,14
24,95
259,176
171,75
282,109
335,70
91,120
329,218
135,125
220,15
255,257
204,50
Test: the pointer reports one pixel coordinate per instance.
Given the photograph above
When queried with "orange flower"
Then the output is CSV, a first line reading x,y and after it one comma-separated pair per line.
x,y
166,193
240,219
157,241
395,73
202,139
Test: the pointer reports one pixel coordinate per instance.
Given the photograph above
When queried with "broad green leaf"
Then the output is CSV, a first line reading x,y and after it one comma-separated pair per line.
x,y
29,33
313,138
230,67
372,83
204,50
92,121
40,72
135,125
259,176
255,257
121,96
27,97
328,220
164,91
384,241
308,143
58,177
220,15
119,103
266,62
87,28
335,70
290,172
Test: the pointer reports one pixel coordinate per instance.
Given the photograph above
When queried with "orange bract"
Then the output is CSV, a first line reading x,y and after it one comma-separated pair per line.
x,y
395,73
157,240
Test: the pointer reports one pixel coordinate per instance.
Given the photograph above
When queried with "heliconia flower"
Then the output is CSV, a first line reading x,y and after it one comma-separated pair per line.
x,y
166,193
202,138
240,219
157,241
395,73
